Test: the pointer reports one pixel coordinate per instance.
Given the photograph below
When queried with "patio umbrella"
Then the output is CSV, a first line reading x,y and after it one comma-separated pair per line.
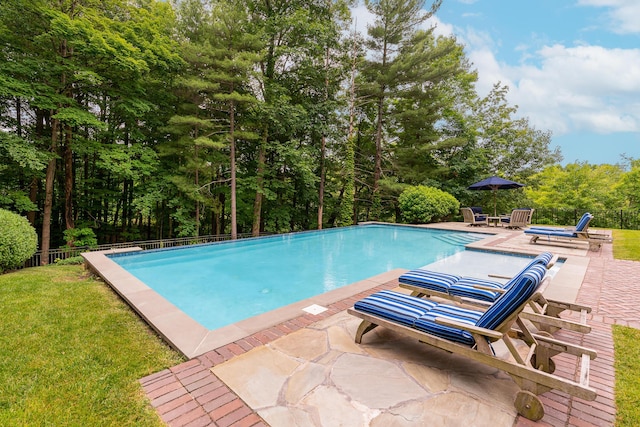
x,y
494,183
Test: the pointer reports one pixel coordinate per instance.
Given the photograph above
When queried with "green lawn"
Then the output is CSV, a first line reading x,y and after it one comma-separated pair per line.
x,y
627,343
72,352
627,365
626,244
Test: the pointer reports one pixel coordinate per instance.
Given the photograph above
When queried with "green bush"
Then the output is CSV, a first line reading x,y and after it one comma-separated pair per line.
x,y
80,237
18,240
74,260
423,204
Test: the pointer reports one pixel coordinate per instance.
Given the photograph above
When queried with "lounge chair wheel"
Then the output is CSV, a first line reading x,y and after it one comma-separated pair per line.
x,y
529,405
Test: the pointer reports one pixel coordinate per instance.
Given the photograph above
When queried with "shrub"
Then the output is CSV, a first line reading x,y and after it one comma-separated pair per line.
x,y
74,260
18,240
80,237
423,204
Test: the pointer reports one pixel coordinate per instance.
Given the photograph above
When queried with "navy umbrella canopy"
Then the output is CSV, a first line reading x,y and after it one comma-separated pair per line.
x,y
494,183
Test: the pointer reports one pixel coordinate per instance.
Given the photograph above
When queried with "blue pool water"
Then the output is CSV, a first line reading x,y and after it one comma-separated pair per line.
x,y
220,284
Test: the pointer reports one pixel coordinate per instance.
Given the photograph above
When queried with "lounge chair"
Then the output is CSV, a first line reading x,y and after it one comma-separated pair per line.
x,y
519,218
584,217
473,219
580,233
470,333
471,291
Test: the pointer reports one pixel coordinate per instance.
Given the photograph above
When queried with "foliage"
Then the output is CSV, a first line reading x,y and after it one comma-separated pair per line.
x,y
629,185
20,162
80,237
423,204
627,364
96,351
18,240
576,186
74,260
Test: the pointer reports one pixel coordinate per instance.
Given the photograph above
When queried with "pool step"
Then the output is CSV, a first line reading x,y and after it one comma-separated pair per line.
x,y
457,239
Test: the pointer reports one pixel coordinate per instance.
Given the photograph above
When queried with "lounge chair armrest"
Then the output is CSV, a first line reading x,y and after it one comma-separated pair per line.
x,y
565,347
597,236
489,333
569,305
552,262
556,322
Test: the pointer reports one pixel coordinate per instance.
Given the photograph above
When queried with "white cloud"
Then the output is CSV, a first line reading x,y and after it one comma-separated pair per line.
x,y
362,18
584,88
623,15
564,89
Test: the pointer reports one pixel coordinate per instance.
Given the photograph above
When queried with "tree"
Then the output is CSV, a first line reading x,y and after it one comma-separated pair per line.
x,y
511,146
576,186
235,57
629,185
396,23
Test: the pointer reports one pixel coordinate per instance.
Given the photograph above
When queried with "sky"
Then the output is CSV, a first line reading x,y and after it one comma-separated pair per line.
x,y
572,67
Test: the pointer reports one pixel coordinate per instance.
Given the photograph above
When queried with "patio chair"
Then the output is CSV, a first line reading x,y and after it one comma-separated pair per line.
x,y
519,218
473,219
471,291
580,233
471,333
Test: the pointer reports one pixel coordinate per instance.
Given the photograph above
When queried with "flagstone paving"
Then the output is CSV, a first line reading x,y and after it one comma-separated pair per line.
x,y
309,372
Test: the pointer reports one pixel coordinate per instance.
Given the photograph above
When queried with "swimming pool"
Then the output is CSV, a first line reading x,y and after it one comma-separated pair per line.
x,y
223,283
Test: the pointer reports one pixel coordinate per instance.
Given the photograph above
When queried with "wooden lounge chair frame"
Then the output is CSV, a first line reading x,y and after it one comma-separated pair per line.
x,y
594,240
533,373
544,313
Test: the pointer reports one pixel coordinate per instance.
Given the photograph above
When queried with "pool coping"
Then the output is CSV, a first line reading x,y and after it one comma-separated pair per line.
x,y
186,335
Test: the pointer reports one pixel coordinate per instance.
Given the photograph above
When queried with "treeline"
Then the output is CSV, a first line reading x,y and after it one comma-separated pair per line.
x,y
144,119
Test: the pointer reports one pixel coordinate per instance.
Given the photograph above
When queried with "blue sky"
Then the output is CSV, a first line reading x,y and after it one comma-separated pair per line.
x,y
572,67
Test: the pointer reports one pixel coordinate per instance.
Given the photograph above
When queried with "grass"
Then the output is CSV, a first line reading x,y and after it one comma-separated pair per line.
x,y
627,365
71,352
625,244
627,343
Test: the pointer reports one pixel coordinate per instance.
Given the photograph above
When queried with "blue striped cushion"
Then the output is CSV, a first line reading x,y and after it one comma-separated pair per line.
x,y
583,221
550,233
433,280
542,259
426,323
465,288
395,306
518,294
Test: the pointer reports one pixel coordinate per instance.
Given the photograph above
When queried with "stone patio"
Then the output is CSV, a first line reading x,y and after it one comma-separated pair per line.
x,y
307,371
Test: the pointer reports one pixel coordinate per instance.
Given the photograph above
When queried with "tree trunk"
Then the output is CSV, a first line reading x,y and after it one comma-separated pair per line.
x,y
197,178
323,147
257,205
48,197
232,149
